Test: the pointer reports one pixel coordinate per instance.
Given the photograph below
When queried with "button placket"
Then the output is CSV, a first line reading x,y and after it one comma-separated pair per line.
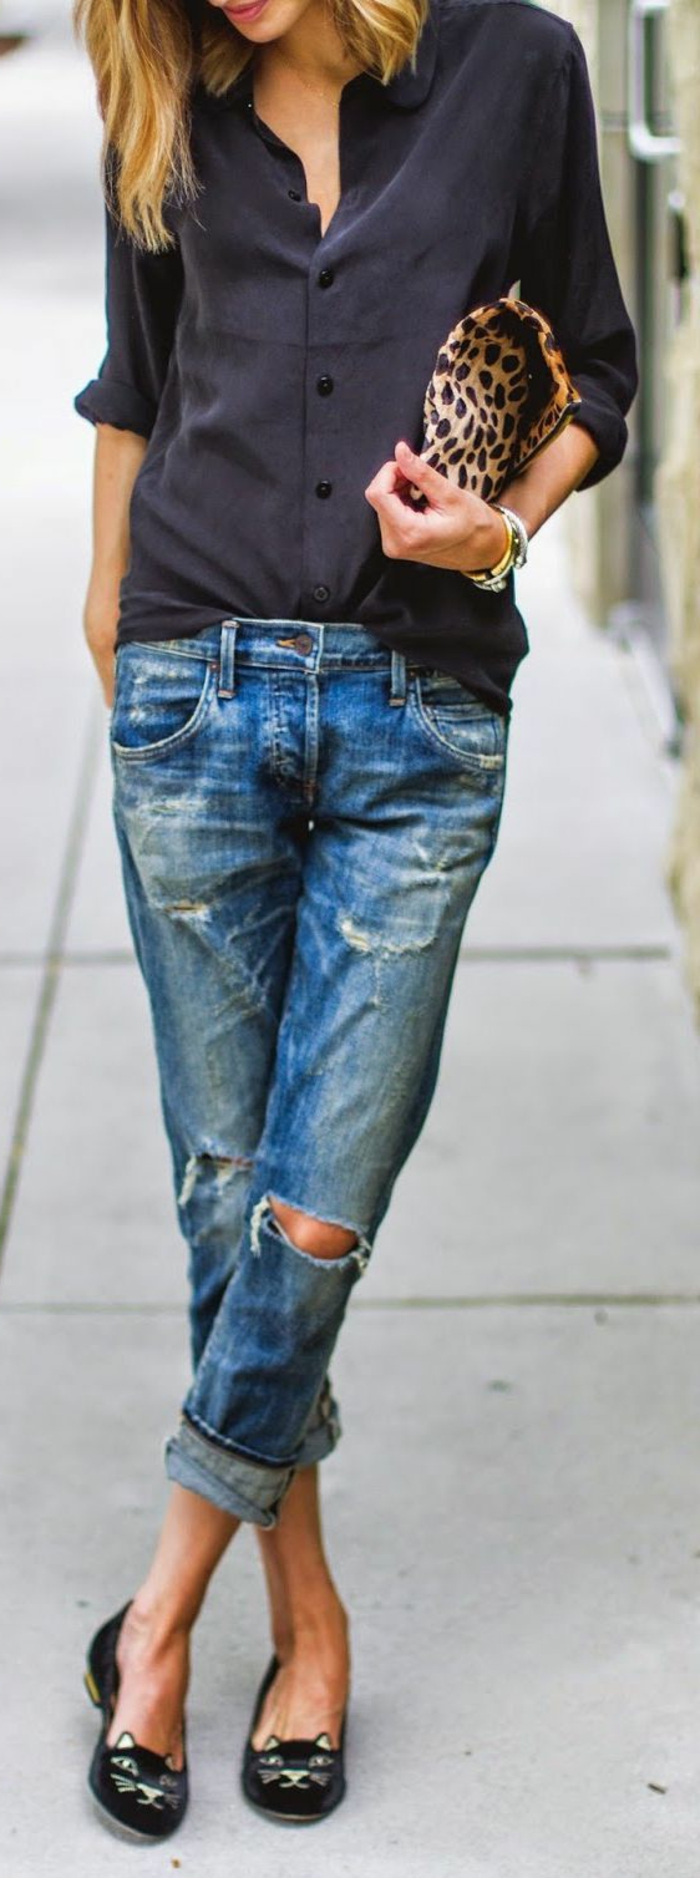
x,y
320,443
323,385
320,386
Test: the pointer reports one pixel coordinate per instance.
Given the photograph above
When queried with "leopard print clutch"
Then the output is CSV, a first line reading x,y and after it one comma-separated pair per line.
x,y
500,391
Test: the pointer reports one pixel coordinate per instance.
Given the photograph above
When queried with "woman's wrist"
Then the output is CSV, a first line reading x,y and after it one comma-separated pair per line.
x,y
533,513
495,578
489,541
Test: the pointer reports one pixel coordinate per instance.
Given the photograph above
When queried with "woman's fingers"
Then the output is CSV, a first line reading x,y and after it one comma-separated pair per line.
x,y
456,530
104,666
101,648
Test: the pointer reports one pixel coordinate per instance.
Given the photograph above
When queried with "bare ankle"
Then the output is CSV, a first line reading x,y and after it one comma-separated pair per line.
x,y
155,1621
324,1618
283,1643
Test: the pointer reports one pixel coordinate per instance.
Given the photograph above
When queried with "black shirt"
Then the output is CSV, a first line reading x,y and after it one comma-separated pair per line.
x,y
273,370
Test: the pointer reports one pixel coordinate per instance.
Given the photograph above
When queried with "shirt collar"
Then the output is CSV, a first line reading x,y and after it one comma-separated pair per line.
x,y
407,88
410,89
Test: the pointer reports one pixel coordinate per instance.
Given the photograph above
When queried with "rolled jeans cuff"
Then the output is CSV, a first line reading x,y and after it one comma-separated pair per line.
x,y
252,1490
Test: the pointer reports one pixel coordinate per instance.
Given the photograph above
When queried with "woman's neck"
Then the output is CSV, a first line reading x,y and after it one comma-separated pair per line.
x,y
312,51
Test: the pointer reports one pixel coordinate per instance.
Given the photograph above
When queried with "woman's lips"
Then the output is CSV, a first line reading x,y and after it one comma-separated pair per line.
x,y
245,13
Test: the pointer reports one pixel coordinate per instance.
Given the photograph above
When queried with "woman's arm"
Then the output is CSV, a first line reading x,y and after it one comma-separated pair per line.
x,y
117,460
563,260
142,299
143,292
552,476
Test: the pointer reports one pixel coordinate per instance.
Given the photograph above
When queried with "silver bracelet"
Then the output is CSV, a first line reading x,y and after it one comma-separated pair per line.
x,y
519,550
520,532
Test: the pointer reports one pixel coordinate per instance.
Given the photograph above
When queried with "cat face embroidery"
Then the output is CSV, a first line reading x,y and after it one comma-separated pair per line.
x,y
315,1771
124,1771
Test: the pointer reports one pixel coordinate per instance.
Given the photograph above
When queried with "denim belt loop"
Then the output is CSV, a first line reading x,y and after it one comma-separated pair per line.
x,y
398,678
227,658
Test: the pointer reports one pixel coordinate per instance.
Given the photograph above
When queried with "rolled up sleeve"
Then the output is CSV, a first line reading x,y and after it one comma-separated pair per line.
x,y
142,298
567,267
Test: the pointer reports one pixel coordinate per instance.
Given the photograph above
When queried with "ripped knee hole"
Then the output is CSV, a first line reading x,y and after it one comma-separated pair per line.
x,y
307,1234
317,1236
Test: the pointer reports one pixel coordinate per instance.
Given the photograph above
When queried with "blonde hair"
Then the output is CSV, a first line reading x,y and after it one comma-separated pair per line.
x,y
147,54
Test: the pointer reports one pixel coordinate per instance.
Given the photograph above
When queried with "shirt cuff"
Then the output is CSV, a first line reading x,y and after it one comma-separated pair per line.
x,y
603,418
106,401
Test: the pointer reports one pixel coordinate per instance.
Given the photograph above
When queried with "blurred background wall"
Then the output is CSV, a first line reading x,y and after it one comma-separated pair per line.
x,y
635,542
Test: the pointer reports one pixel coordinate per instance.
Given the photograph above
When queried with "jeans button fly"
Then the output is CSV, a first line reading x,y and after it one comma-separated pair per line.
x,y
303,642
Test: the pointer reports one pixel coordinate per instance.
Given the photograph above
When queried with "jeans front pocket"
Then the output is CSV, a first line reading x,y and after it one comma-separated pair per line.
x,y
457,721
161,698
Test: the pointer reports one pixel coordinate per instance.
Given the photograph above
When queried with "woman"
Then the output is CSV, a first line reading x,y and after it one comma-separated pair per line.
x,y
310,719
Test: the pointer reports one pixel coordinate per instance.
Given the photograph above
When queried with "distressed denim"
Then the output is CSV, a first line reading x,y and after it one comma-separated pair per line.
x,y
303,819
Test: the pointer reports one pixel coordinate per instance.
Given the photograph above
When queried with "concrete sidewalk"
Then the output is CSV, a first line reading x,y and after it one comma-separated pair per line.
x,y
513,1511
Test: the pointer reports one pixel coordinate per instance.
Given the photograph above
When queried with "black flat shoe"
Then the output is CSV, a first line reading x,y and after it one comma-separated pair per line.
x,y
295,1782
137,1792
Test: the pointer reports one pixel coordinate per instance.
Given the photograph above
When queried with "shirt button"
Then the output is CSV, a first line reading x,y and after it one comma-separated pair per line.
x,y
324,384
326,277
322,593
323,488
294,195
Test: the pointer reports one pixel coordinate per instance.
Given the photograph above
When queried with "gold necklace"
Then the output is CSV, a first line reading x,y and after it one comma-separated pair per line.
x,y
291,67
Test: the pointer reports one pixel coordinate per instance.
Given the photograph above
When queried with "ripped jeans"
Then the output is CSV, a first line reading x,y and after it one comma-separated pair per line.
x,y
303,821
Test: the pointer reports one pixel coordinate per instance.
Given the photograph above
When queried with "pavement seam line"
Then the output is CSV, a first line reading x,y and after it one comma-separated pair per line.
x,y
508,1300
52,961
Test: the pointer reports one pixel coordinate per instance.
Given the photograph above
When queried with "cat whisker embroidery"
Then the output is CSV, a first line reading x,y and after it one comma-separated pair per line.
x,y
315,1771
125,1773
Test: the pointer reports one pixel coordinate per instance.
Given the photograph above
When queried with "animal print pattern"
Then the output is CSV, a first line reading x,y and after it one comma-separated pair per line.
x,y
500,391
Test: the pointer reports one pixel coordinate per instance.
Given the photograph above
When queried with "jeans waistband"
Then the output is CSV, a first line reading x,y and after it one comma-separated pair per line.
x,y
304,646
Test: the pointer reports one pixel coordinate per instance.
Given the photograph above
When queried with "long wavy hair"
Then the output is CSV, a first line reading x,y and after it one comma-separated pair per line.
x,y
148,54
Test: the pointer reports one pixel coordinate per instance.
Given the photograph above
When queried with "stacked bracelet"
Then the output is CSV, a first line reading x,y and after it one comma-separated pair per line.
x,y
494,579
506,560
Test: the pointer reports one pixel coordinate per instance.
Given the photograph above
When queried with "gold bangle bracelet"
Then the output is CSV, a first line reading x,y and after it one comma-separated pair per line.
x,y
493,573
505,557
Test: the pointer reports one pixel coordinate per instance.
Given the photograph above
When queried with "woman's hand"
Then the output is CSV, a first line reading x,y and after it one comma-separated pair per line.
x,y
100,619
117,461
456,530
